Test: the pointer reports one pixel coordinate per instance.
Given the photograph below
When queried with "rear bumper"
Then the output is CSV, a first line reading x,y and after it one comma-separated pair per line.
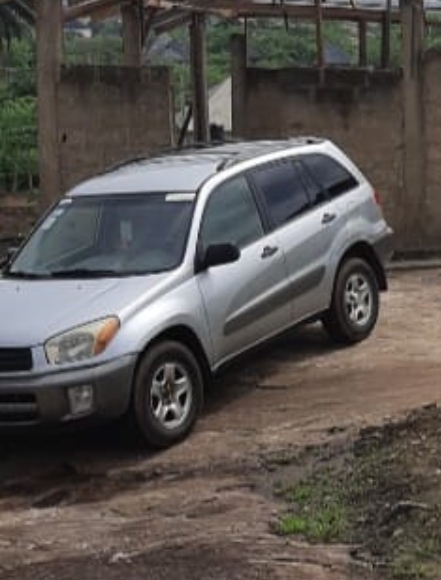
x,y
384,246
32,400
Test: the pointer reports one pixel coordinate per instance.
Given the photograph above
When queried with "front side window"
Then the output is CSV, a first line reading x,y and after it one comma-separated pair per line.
x,y
329,174
231,216
282,190
108,235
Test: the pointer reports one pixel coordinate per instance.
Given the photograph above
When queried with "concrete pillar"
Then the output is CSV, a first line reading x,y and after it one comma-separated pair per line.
x,y
386,26
132,33
414,157
362,43
49,55
238,81
198,63
319,35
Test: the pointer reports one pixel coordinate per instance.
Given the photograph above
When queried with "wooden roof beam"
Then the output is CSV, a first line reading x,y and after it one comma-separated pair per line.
x,y
232,9
310,13
91,8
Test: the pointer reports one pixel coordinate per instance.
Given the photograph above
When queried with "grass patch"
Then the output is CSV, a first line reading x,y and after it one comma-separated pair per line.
x,y
317,511
381,493
325,525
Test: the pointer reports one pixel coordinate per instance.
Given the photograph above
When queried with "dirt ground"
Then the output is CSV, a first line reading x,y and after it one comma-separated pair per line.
x,y
378,492
88,505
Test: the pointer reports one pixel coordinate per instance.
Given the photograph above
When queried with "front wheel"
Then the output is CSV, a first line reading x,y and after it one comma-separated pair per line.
x,y
168,394
355,303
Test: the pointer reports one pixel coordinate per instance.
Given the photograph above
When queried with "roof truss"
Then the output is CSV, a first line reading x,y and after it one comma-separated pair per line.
x,y
169,13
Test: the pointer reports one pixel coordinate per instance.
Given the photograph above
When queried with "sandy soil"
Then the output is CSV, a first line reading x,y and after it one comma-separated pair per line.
x,y
88,505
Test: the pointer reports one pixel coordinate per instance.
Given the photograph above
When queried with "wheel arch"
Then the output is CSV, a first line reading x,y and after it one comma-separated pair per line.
x,y
186,336
366,252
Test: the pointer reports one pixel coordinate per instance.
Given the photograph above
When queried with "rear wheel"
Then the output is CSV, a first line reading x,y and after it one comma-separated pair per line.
x,y
355,303
168,394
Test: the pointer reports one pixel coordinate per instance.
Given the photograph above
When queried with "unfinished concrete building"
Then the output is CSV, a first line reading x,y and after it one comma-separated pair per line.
x,y
389,120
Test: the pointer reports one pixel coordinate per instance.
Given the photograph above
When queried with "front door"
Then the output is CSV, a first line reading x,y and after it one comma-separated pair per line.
x,y
245,301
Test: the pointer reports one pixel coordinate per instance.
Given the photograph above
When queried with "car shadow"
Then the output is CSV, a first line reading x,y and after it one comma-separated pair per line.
x,y
248,371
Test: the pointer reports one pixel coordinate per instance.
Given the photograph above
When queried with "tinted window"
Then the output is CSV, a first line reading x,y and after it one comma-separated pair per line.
x,y
316,193
329,174
283,191
231,216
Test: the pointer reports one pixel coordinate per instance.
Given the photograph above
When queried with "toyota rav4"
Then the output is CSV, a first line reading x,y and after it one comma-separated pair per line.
x,y
144,281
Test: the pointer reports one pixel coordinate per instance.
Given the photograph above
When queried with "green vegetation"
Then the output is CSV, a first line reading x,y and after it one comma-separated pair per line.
x,y
18,145
319,513
316,512
380,494
98,50
433,34
16,20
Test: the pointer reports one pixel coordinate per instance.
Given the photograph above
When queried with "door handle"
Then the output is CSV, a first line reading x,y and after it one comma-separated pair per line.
x,y
328,218
269,251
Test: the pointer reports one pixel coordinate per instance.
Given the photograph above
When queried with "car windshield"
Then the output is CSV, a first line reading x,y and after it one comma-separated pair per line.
x,y
115,235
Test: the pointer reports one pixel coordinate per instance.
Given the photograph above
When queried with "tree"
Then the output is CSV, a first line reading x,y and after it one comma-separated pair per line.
x,y
17,18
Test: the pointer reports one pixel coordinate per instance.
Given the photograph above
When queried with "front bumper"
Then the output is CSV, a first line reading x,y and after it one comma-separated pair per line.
x,y
43,399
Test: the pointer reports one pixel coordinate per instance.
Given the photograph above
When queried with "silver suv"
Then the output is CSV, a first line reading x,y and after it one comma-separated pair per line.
x,y
142,282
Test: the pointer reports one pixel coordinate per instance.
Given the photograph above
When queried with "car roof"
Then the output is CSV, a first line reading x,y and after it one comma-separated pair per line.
x,y
181,170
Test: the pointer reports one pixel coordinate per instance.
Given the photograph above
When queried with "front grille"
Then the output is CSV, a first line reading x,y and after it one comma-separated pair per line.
x,y
15,359
18,408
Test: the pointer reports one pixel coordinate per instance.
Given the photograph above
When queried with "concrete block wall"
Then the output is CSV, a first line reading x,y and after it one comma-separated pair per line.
x,y
107,114
18,214
359,110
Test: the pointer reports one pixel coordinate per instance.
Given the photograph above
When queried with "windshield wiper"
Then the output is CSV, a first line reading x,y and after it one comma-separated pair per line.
x,y
85,273
77,273
23,275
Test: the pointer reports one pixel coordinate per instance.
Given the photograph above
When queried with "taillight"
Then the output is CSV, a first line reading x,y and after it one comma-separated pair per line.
x,y
377,198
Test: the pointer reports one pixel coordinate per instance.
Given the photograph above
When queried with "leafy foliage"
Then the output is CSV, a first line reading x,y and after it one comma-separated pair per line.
x,y
433,35
16,20
18,145
98,50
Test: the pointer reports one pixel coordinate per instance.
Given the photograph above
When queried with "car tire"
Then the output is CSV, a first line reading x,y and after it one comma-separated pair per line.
x,y
355,303
168,394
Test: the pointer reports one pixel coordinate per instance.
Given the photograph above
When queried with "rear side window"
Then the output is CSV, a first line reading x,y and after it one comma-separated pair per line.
x,y
282,190
329,174
317,194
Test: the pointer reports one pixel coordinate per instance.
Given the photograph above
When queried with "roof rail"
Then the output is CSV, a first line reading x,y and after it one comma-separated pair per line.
x,y
246,150
265,148
157,153
123,163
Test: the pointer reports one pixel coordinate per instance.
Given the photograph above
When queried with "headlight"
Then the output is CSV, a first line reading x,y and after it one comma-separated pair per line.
x,y
82,342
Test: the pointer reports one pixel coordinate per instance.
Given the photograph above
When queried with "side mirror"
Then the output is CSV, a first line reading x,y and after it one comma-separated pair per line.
x,y
6,259
217,255
8,248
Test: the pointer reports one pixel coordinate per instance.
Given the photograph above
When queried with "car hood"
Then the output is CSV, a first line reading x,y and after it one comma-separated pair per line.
x,y
31,311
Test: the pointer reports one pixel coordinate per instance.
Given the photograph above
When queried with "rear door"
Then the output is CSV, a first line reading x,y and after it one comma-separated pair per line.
x,y
245,301
306,221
